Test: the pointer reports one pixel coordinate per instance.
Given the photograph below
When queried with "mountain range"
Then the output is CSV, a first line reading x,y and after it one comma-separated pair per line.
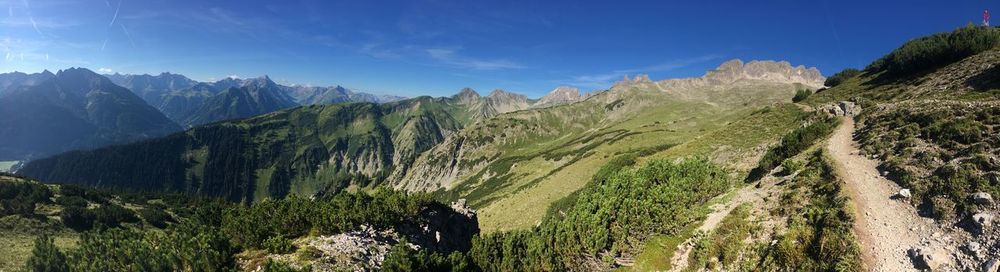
x,y
448,144
44,114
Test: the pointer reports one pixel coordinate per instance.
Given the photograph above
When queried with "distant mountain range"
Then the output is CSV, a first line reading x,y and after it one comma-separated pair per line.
x,y
192,103
44,114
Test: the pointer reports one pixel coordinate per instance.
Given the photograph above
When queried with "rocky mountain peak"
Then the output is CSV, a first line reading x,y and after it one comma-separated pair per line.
x,y
466,96
501,94
259,82
639,79
776,71
560,95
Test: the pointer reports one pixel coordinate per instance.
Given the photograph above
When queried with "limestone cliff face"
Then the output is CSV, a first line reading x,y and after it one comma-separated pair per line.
x,y
500,101
561,95
735,72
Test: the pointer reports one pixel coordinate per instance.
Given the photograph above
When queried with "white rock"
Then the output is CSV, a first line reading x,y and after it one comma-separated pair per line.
x,y
972,246
904,193
983,219
927,258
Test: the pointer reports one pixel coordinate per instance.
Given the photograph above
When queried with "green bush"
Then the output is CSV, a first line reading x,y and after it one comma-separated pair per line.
x,y
155,217
112,215
935,51
403,258
46,257
790,166
614,215
840,77
801,94
75,201
278,245
188,247
20,197
77,218
792,144
294,217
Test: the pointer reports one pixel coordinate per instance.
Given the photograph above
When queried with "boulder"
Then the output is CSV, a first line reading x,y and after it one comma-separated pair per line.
x,y
849,108
982,220
927,258
904,193
982,198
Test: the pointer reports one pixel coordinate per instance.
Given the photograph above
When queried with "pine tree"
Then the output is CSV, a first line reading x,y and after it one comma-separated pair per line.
x,y
46,257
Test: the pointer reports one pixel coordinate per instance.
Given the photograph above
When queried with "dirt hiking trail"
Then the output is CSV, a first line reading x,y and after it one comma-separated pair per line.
x,y
886,228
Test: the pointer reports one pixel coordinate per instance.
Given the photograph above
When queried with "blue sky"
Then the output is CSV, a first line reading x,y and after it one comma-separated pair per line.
x,y
437,47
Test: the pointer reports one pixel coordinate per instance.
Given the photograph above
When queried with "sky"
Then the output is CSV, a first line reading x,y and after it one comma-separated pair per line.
x,y
433,47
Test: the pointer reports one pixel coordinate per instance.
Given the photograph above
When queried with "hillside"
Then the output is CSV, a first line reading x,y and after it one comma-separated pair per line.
x,y
300,151
509,165
73,109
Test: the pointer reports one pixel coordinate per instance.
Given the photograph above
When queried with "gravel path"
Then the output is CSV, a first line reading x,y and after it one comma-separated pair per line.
x,y
886,228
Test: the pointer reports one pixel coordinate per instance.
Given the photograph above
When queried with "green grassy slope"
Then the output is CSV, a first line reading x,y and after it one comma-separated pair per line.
x,y
511,166
299,151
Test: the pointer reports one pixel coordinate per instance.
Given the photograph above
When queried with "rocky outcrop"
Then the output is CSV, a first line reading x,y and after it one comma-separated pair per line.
x,y
842,108
561,95
500,101
441,229
735,71
467,96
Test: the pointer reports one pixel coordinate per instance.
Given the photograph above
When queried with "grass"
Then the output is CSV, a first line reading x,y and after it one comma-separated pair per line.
x,y
658,251
731,143
15,247
511,195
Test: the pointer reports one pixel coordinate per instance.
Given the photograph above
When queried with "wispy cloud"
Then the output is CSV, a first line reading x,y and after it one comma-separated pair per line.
x,y
453,58
605,80
104,70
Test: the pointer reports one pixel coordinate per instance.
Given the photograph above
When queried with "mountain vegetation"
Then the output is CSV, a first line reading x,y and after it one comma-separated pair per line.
x,y
932,52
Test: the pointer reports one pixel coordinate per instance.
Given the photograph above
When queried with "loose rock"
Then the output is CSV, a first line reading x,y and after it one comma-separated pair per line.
x,y
927,258
904,193
982,220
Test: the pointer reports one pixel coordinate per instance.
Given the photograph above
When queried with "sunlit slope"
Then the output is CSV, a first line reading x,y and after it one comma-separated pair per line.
x,y
512,167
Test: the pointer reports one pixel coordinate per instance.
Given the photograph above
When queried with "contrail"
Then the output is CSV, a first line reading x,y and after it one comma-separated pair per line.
x,y
10,11
128,35
35,25
115,18
105,44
